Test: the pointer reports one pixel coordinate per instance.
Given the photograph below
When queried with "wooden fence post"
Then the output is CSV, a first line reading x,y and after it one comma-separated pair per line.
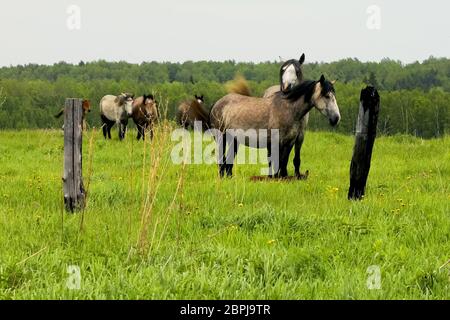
x,y
74,193
366,131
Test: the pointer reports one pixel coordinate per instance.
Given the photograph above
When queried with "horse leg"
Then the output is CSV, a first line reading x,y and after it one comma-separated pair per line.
x,y
109,126
120,126
104,125
231,154
105,130
151,131
221,158
144,129
298,147
285,151
138,133
122,129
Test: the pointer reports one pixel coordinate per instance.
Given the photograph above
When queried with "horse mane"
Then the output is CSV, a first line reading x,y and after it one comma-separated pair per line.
x,y
306,88
120,100
327,86
239,85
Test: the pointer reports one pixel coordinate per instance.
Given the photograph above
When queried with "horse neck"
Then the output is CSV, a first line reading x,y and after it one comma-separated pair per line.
x,y
299,107
142,109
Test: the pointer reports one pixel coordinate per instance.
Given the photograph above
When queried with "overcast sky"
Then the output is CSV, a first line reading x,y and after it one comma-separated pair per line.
x,y
244,30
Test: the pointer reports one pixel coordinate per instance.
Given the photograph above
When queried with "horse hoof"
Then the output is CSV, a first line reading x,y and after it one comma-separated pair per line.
x,y
302,176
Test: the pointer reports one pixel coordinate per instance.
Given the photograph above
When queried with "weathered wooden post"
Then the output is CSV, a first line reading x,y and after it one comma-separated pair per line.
x,y
366,131
74,193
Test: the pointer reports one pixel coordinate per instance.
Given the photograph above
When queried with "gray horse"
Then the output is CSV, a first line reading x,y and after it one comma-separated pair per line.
x,y
280,114
116,110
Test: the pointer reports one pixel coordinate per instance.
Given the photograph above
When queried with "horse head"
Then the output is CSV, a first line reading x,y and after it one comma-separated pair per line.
x,y
200,99
126,101
148,99
324,100
86,104
148,106
291,73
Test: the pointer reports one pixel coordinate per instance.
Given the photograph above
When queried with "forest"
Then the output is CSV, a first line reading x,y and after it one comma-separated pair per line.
x,y
414,97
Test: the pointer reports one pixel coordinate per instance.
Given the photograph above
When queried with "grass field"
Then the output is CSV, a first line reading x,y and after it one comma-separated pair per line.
x,y
155,230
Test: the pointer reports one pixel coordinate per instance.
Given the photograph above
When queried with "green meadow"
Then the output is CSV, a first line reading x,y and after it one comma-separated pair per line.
x,y
152,229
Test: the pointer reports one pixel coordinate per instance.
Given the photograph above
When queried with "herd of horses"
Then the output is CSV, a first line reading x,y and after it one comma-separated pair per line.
x,y
283,109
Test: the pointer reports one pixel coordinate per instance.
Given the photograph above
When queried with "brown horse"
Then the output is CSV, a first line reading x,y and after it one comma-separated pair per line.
x,y
144,114
86,105
191,111
280,116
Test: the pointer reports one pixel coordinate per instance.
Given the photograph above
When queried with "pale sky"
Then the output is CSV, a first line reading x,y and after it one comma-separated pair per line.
x,y
243,30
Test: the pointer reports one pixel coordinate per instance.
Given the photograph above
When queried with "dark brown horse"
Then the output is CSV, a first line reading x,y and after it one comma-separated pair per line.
x,y
144,114
86,105
192,111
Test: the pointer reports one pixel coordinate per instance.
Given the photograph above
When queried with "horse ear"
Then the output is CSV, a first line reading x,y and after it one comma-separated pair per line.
x,y
333,82
322,79
302,59
201,98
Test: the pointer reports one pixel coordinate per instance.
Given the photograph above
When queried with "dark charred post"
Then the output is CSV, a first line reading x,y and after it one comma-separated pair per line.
x,y
366,131
74,194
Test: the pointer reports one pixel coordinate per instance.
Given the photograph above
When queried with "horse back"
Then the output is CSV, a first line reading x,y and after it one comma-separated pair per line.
x,y
110,109
236,111
271,91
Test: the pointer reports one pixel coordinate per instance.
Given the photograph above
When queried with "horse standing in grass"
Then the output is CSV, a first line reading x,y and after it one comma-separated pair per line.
x,y
281,115
86,105
290,75
191,111
116,110
144,114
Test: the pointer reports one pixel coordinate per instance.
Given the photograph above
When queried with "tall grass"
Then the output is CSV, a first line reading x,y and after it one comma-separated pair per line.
x,y
153,175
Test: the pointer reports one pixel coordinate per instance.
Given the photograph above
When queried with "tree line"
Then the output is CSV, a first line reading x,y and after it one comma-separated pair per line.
x,y
415,97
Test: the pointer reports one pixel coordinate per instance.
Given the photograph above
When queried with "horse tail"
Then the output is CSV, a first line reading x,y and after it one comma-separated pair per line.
x,y
60,113
239,85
